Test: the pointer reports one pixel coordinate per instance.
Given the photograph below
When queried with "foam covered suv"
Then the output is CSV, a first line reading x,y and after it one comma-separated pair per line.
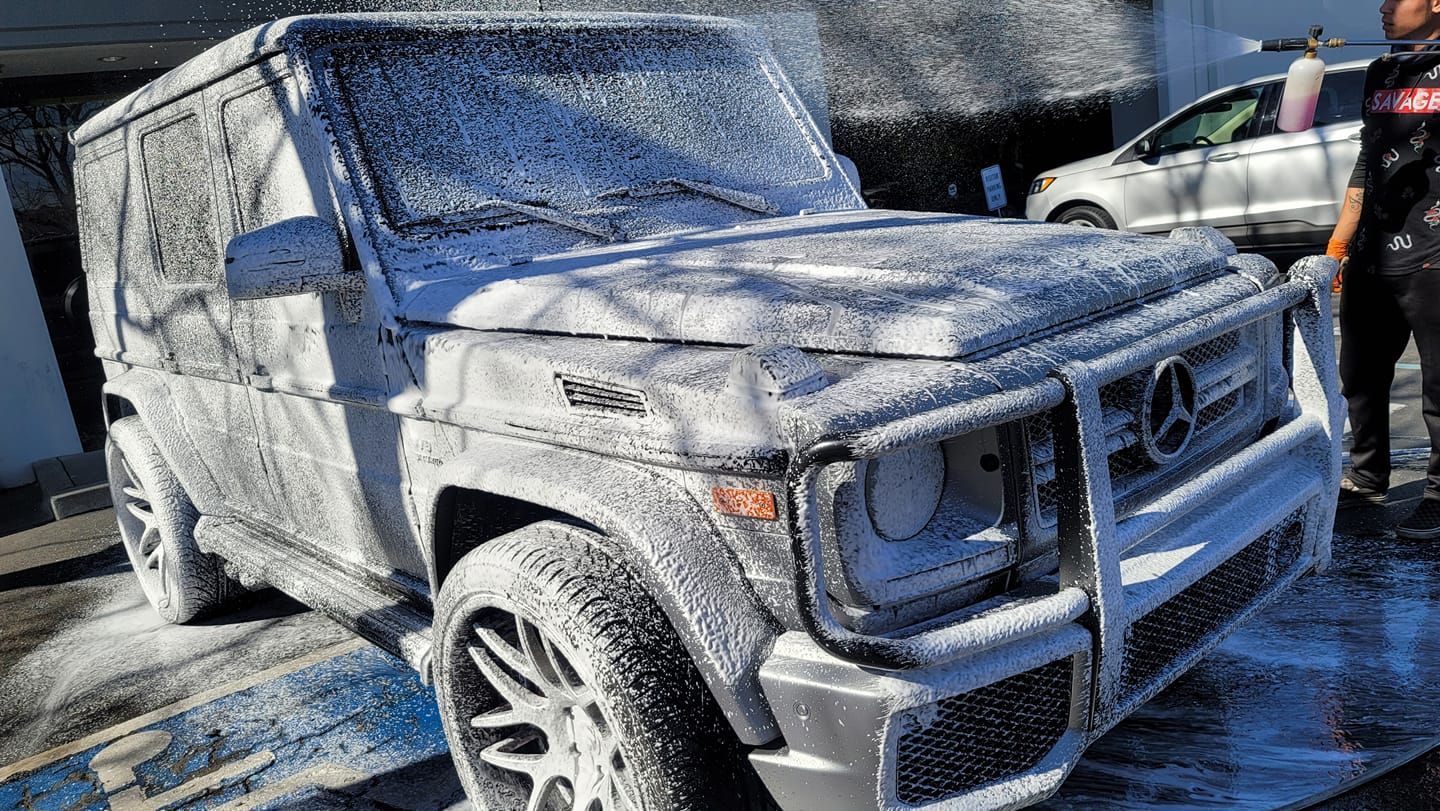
x,y
558,356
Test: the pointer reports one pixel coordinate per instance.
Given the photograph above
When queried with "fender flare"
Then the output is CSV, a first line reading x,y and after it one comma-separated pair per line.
x,y
151,398
652,525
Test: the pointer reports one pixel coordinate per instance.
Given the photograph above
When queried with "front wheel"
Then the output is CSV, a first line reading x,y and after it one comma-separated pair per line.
x,y
562,686
1086,217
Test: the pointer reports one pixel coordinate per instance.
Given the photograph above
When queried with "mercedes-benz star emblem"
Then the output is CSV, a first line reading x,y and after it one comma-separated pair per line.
x,y
1167,419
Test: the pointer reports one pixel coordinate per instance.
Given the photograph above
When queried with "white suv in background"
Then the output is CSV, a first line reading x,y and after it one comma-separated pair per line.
x,y
1221,162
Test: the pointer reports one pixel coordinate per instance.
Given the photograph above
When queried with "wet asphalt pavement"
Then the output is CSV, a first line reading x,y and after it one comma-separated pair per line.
x,y
274,706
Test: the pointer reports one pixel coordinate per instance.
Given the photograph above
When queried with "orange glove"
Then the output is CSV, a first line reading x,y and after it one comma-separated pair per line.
x,y
1339,250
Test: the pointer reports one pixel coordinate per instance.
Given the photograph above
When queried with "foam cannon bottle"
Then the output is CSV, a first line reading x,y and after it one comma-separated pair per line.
x,y
1302,83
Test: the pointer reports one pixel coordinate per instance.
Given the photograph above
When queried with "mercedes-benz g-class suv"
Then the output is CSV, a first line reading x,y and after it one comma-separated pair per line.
x,y
558,356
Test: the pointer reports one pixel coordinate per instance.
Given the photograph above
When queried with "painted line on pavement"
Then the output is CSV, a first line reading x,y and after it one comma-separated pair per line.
x,y
124,728
1414,367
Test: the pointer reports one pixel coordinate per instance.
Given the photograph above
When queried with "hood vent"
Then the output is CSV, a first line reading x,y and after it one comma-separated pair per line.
x,y
592,395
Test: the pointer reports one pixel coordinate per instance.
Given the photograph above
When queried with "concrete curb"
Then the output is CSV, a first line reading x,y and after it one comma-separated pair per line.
x,y
74,484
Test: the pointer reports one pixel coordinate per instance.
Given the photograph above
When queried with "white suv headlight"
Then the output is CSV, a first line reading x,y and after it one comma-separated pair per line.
x,y
903,490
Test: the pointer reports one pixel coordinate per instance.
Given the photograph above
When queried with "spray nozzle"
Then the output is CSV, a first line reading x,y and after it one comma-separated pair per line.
x,y
1309,44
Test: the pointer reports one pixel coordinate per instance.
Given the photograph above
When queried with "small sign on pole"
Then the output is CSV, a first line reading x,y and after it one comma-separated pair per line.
x,y
995,198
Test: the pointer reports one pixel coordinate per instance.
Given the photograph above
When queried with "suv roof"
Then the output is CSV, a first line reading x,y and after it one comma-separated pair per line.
x,y
269,39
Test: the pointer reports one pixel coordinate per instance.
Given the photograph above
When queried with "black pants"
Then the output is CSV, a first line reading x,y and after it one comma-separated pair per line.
x,y
1378,314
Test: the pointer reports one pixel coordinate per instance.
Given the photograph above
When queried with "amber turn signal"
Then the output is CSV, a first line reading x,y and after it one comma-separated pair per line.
x,y
744,503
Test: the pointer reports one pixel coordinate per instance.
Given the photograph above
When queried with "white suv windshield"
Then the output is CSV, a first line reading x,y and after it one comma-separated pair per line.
x,y
452,129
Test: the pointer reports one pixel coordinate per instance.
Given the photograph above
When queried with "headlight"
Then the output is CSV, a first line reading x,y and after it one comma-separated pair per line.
x,y
1041,184
903,490
924,521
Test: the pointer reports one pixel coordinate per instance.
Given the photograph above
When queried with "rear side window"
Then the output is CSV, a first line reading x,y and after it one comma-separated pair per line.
x,y
182,201
1342,98
102,206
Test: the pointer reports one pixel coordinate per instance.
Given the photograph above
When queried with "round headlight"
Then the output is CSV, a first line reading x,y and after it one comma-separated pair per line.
x,y
903,490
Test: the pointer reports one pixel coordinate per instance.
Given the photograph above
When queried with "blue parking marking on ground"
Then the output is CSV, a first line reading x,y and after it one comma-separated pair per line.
x,y
1414,367
336,723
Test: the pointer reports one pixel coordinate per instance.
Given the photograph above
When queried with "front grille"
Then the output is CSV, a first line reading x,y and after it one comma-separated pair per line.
x,y
590,395
1193,617
1227,378
1002,729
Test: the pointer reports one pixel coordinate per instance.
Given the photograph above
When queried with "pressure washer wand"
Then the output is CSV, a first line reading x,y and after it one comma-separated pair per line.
x,y
1304,44
1315,43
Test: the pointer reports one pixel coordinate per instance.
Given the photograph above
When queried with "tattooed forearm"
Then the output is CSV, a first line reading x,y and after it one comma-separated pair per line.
x,y
1355,200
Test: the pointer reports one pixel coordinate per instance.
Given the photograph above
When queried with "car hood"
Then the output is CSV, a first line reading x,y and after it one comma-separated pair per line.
x,y
864,282
1075,168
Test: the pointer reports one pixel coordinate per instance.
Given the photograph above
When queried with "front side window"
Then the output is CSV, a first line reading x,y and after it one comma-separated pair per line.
x,y
1220,121
270,179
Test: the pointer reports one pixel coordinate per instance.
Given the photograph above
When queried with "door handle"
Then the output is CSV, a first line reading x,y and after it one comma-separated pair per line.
x,y
1355,137
1223,157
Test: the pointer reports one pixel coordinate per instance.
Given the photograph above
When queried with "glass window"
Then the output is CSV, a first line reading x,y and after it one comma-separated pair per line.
x,y
1342,98
1224,120
270,180
450,125
182,201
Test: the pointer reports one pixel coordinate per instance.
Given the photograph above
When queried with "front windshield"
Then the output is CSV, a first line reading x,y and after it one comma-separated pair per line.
x,y
560,118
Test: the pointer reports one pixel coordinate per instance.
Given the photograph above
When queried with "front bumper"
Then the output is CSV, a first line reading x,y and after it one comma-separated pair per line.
x,y
993,708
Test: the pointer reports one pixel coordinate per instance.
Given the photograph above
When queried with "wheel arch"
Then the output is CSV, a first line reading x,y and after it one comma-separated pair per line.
x,y
143,393
1075,202
650,524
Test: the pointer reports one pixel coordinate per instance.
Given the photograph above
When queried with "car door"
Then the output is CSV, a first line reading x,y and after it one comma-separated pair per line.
x,y
313,361
1196,167
1297,179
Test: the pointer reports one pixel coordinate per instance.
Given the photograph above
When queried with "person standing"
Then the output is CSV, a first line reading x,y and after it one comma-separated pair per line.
x,y
1389,230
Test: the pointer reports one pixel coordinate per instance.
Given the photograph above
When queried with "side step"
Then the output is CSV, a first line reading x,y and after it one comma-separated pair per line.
x,y
387,617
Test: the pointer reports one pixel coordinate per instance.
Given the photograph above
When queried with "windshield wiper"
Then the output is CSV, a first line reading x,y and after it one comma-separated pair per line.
x,y
734,197
593,226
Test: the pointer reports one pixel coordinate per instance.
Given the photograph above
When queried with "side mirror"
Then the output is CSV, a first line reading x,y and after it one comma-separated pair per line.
x,y
1145,147
287,258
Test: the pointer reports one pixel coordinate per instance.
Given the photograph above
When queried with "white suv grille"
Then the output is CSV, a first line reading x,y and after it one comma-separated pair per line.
x,y
1228,402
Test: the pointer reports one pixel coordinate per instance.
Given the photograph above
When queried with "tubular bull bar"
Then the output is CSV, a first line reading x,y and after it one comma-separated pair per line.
x,y
1100,598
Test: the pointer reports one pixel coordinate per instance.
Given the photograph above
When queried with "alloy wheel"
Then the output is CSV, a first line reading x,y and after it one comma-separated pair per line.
x,y
140,530
552,728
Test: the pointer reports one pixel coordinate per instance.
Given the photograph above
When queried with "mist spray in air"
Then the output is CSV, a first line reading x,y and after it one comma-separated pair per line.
x,y
1302,93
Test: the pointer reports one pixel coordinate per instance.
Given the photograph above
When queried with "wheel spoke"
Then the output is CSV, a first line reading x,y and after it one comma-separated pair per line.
x,y
135,493
500,718
619,794
140,512
543,789
129,471
150,539
512,691
542,653
588,790
499,755
515,659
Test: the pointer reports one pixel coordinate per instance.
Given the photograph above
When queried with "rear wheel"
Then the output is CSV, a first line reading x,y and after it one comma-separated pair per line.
x,y
157,527
562,686
1086,217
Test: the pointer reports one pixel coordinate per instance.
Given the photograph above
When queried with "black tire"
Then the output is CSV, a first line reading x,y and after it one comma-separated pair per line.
x,y
1087,217
573,621
157,528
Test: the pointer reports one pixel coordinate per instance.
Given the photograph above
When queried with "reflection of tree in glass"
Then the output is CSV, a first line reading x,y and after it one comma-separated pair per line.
x,y
35,153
